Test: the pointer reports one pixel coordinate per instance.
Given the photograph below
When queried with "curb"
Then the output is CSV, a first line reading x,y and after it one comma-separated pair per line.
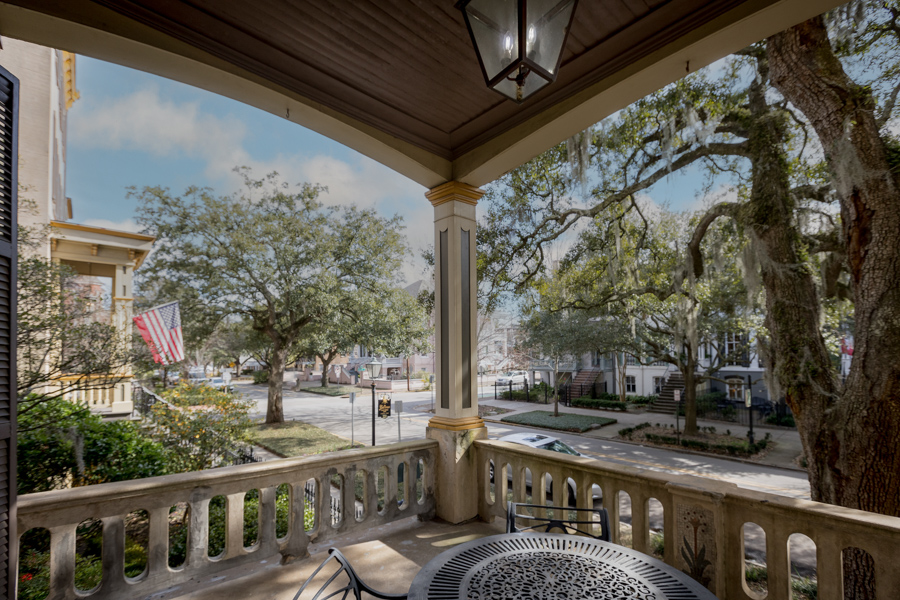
x,y
693,452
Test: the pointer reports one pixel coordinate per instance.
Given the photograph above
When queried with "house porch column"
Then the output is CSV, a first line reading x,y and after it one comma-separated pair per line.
x,y
456,424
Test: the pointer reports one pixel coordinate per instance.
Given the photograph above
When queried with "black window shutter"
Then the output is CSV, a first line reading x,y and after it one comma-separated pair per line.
x,y
9,128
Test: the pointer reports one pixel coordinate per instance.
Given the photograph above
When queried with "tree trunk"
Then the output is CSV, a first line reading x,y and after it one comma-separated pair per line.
x,y
275,410
689,398
852,448
325,364
555,389
623,371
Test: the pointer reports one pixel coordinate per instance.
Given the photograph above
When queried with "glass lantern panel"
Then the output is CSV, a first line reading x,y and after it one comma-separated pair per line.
x,y
547,22
495,28
533,83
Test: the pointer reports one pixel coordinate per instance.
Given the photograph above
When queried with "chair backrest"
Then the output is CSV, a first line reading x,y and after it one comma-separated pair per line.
x,y
335,587
557,519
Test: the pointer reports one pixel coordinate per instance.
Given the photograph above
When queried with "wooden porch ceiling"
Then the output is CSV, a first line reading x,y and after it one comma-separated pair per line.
x,y
398,79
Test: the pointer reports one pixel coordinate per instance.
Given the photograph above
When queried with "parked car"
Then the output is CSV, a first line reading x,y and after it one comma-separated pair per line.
x,y
546,442
219,384
511,377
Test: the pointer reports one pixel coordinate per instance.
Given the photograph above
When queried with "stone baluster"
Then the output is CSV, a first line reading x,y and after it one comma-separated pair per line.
x,y
298,542
113,554
158,544
266,536
640,528
584,499
829,567
611,504
62,562
778,561
198,534
234,525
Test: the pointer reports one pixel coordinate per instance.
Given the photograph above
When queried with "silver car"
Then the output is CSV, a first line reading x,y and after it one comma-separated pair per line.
x,y
546,442
511,377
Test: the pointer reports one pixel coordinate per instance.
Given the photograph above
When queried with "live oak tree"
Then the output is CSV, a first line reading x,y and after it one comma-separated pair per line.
x,y
620,272
820,231
272,254
386,321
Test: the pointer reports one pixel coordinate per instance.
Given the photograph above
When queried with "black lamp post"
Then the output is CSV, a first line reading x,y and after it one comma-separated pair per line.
x,y
519,43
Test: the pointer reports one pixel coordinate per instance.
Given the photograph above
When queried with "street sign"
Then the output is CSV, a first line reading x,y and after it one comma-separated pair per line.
x,y
747,399
677,395
384,407
398,406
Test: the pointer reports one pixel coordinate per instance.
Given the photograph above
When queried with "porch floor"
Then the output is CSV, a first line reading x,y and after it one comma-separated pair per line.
x,y
387,558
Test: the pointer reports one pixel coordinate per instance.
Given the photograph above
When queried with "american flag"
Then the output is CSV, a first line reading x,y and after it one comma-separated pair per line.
x,y
161,329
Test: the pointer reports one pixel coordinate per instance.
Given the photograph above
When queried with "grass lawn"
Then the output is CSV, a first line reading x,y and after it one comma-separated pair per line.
x,y
332,390
564,422
296,438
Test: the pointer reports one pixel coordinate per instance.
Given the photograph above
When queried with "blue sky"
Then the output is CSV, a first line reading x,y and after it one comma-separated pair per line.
x,y
130,128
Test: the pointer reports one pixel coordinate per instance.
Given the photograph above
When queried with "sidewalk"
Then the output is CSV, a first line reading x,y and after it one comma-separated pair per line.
x,y
787,446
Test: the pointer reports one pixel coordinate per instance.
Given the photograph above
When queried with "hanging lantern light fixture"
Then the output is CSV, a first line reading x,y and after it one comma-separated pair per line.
x,y
519,43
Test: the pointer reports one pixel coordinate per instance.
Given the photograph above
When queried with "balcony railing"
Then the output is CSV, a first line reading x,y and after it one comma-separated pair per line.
x,y
383,498
703,520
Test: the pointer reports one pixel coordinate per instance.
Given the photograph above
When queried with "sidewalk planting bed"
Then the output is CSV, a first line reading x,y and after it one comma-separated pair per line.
x,y
706,441
564,422
296,438
334,390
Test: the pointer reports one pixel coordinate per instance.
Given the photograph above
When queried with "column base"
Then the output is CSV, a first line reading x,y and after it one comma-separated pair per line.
x,y
456,476
456,424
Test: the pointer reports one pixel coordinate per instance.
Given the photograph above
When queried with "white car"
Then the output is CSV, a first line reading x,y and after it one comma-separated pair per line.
x,y
219,384
546,442
511,377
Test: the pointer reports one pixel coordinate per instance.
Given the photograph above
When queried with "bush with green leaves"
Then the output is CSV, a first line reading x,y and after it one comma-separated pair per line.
x,y
198,425
588,402
260,377
53,434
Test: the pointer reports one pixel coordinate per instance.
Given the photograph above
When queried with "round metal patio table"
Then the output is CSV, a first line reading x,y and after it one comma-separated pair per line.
x,y
545,566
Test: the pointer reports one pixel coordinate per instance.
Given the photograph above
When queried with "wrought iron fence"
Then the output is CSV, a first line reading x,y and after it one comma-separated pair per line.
x,y
523,392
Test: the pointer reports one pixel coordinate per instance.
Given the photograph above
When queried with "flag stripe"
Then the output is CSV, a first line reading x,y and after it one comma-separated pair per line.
x,y
161,329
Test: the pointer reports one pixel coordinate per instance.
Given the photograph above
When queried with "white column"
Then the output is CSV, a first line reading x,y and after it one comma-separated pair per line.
x,y
456,424
456,308
121,314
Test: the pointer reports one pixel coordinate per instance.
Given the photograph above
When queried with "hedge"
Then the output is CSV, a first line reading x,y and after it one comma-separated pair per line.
x,y
588,402
732,448
629,430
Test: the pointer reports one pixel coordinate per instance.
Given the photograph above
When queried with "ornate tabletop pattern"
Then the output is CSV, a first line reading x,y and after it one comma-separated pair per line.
x,y
542,566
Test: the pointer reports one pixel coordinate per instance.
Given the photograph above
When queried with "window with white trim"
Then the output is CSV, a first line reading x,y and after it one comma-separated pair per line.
x,y
736,389
630,384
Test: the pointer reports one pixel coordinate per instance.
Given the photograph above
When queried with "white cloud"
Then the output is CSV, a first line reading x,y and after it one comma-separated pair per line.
x,y
126,225
144,121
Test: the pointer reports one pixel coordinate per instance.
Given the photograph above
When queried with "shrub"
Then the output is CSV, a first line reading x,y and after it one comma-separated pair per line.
x,y
200,426
629,430
564,422
641,400
111,450
260,377
588,402
783,421
696,444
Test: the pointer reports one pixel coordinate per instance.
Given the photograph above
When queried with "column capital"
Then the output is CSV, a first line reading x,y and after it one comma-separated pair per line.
x,y
454,190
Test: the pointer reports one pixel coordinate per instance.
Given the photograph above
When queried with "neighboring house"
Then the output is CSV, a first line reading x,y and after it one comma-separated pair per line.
x,y
104,257
645,378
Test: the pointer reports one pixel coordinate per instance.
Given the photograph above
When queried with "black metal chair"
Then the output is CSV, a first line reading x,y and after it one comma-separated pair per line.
x,y
354,585
558,521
